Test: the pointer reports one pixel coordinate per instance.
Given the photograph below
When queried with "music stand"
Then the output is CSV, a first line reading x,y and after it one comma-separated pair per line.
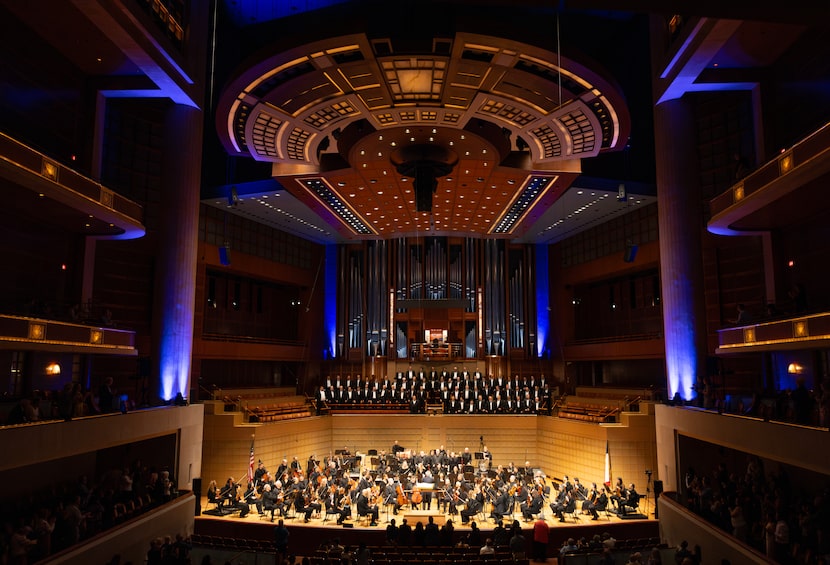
x,y
478,455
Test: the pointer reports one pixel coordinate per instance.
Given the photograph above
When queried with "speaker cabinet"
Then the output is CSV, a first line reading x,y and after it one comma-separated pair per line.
x,y
197,492
658,489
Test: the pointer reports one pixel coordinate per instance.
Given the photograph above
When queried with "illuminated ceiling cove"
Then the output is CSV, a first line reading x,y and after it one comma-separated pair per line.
x,y
479,137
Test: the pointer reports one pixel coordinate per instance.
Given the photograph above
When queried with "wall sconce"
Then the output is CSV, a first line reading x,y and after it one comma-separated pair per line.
x,y
53,369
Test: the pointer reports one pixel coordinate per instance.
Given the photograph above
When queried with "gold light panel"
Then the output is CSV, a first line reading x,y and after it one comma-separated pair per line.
x,y
37,331
738,193
785,163
96,337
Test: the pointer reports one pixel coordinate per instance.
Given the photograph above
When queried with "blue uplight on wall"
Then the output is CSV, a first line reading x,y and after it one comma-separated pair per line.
x,y
174,367
330,308
542,299
681,355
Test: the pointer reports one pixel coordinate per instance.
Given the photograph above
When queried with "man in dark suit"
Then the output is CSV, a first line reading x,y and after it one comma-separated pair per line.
x,y
631,501
502,504
599,504
365,509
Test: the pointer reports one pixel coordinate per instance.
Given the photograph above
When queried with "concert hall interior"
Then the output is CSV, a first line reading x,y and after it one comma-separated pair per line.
x,y
489,246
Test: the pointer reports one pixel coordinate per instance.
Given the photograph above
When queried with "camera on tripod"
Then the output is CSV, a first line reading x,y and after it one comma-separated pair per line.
x,y
648,472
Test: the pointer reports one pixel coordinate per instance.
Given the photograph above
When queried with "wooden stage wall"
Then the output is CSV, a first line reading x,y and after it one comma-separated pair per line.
x,y
557,446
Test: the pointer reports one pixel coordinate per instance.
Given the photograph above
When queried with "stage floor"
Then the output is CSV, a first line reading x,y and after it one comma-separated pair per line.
x,y
321,528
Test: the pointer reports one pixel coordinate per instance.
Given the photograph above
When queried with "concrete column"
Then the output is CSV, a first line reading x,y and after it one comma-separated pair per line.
x,y
681,265
176,259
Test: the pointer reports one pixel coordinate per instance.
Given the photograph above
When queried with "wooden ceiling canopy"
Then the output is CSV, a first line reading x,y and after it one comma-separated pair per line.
x,y
476,138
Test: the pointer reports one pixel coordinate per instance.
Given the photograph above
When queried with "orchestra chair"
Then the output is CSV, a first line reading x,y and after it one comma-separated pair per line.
x,y
631,507
325,511
365,519
572,513
211,499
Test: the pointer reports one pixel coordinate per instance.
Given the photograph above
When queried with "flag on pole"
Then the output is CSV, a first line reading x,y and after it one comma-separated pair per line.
x,y
607,465
251,462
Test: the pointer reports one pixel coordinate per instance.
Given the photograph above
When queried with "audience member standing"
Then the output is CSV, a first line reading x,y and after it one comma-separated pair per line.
x,y
541,532
281,534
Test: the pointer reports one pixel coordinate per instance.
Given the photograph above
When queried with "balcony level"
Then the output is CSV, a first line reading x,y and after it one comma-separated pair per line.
x,y
783,192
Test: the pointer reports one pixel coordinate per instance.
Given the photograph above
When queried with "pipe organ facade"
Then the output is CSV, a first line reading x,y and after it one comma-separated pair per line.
x,y
431,298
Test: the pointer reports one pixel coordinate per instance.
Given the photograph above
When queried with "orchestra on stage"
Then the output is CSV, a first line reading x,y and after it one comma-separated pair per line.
x,y
345,486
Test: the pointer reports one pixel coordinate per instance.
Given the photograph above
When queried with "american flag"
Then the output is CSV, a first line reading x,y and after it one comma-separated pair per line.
x,y
251,463
607,465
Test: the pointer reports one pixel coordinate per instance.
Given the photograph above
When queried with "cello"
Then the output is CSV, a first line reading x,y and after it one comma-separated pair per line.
x,y
416,497
401,497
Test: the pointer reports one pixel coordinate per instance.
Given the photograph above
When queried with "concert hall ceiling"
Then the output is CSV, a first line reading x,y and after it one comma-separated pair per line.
x,y
398,122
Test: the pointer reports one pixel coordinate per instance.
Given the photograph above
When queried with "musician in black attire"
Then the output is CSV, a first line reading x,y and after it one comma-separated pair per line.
x,y
364,508
250,497
599,504
475,500
281,470
631,500
242,504
529,510
304,505
269,501
228,493
567,507
501,506
258,474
